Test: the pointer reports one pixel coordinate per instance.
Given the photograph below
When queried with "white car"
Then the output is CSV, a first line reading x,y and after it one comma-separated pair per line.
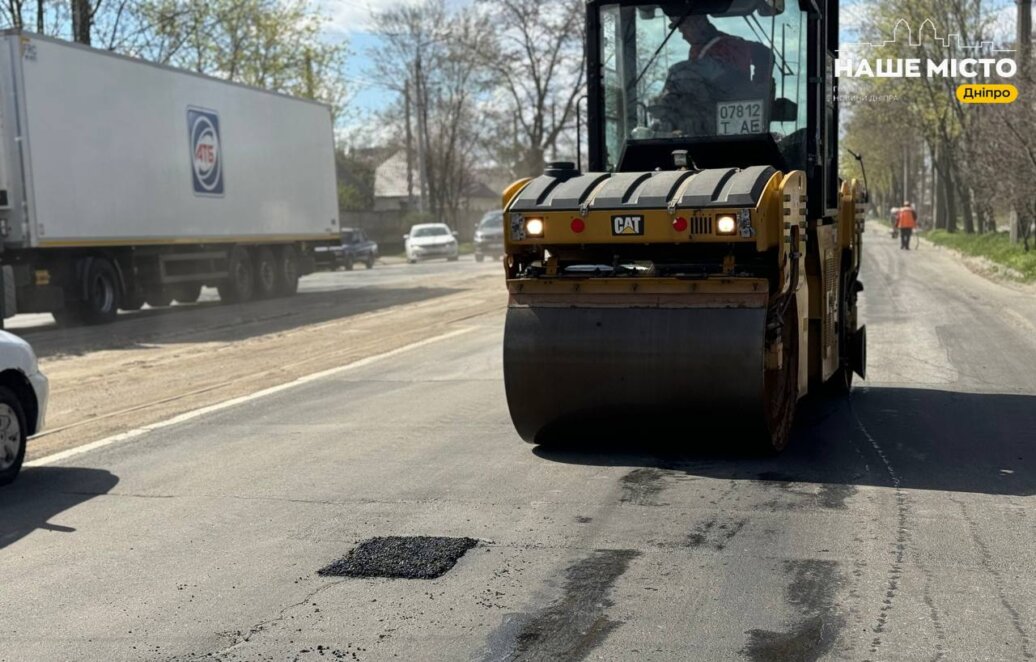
x,y
427,241
23,402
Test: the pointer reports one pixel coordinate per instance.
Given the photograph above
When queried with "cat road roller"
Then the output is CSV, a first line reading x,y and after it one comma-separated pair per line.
x,y
703,270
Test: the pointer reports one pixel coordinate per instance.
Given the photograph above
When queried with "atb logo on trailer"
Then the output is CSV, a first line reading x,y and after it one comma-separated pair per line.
x,y
206,151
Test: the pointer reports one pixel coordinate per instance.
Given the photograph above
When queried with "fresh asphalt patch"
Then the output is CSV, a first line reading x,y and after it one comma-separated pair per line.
x,y
401,557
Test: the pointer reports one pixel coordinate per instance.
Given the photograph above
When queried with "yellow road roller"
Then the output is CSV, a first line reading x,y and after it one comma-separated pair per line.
x,y
703,269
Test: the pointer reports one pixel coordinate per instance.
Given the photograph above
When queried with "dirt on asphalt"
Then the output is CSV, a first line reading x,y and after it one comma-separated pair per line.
x,y
154,365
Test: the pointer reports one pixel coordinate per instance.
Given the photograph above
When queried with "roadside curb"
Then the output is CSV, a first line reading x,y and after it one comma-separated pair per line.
x,y
993,272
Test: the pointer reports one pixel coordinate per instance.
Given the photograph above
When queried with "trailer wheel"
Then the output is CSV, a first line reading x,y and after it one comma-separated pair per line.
x,y
265,273
158,296
287,271
133,299
239,285
187,292
12,435
101,304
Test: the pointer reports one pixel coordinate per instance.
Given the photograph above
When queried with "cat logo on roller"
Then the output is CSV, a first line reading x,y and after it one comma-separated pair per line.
x,y
627,225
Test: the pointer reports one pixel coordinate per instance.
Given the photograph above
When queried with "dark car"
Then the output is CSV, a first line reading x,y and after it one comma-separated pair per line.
x,y
355,247
489,236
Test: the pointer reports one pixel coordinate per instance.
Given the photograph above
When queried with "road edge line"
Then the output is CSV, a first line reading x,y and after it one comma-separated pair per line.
x,y
233,402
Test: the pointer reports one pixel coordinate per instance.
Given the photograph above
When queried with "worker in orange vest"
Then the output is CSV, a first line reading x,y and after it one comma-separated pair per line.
x,y
906,222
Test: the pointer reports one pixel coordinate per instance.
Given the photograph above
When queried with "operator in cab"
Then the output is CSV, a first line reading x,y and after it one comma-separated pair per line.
x,y
720,67
708,41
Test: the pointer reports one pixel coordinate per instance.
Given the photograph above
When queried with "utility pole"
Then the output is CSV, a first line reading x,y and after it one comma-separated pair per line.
x,y
553,131
422,131
409,148
1024,47
906,175
1025,33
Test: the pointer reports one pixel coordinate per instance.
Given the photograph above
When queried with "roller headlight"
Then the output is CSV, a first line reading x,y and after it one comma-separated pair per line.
x,y
726,225
534,227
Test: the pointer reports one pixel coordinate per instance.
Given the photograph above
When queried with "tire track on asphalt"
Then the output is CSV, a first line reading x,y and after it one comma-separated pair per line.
x,y
998,580
895,572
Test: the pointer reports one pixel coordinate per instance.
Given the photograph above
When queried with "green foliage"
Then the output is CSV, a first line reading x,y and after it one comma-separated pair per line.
x,y
994,246
272,44
355,182
350,198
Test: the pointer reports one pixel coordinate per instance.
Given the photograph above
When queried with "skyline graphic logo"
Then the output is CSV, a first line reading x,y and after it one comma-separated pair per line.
x,y
984,56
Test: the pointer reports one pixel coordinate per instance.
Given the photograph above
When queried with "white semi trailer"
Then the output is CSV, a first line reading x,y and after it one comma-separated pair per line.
x,y
123,182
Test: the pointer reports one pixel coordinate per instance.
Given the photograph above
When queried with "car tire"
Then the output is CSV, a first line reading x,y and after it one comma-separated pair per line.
x,y
453,258
13,429
239,286
349,263
370,260
479,257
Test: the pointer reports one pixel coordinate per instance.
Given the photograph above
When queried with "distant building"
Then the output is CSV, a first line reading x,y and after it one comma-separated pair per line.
x,y
390,217
391,192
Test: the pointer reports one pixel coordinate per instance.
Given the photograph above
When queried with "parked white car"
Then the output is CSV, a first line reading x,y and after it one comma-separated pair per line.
x,y
428,241
23,402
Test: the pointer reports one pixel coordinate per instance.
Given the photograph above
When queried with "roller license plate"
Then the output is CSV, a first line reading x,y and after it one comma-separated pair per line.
x,y
739,118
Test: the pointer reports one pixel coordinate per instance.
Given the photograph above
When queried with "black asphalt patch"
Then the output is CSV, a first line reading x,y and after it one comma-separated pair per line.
x,y
401,557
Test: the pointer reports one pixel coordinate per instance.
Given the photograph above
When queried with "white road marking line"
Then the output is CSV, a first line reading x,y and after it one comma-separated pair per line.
x,y
226,404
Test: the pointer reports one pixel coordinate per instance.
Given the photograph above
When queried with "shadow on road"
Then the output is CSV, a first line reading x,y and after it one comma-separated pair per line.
x,y
925,439
40,493
215,322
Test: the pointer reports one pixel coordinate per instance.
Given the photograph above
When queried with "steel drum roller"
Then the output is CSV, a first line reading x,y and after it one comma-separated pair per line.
x,y
564,365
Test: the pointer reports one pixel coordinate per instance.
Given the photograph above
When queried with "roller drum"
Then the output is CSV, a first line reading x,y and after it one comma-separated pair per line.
x,y
569,366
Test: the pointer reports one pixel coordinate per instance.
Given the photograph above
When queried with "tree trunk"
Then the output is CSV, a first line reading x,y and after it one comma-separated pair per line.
x,y
82,18
966,202
950,191
534,161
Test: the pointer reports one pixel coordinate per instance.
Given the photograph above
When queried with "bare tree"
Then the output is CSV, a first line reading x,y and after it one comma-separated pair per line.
x,y
429,56
537,56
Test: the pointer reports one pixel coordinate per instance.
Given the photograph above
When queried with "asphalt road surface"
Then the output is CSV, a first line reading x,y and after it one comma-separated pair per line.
x,y
898,526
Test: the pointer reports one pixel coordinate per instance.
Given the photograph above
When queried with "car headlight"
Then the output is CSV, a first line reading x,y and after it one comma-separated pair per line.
x,y
726,224
534,227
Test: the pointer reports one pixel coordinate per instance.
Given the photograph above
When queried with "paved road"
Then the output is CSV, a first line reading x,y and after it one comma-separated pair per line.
x,y
156,364
388,272
899,526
